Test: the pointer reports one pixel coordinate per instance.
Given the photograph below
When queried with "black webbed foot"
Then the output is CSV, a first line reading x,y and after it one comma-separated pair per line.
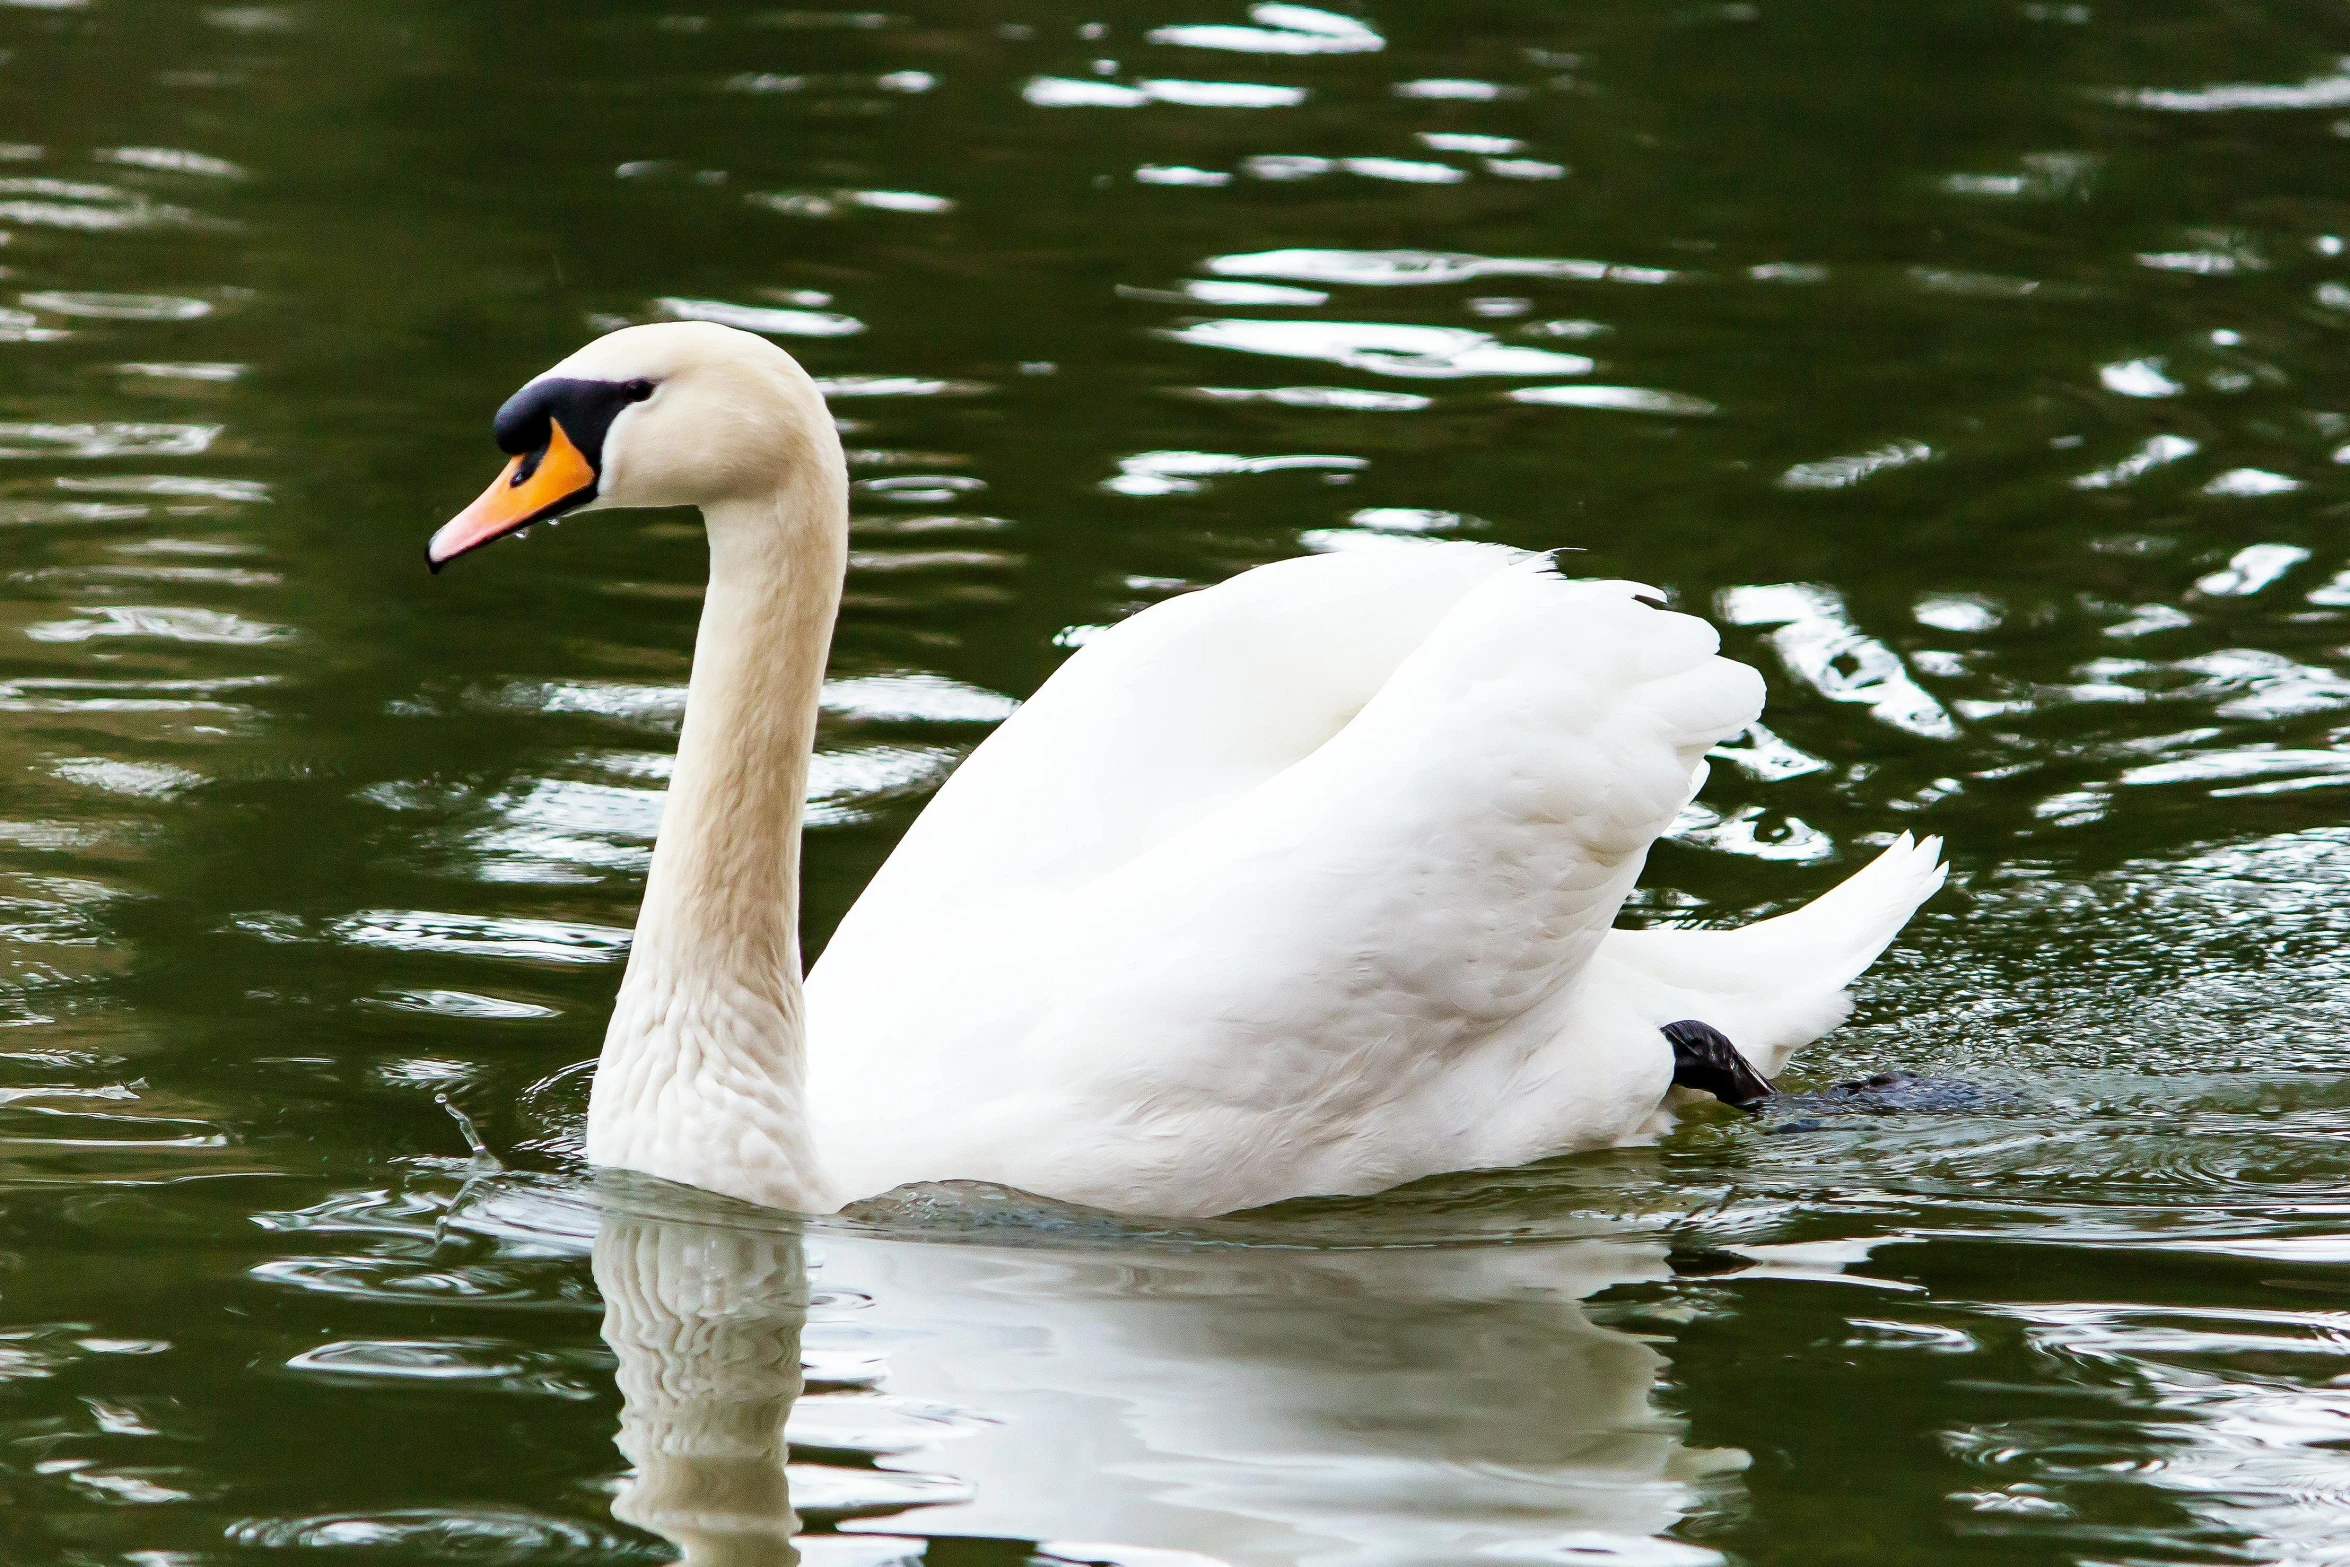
x,y
1704,1059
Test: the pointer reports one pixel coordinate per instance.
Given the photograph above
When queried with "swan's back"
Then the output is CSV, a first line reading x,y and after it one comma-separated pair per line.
x,y
1154,723
1383,812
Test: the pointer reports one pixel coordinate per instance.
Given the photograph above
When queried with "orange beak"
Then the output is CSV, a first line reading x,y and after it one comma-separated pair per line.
x,y
522,495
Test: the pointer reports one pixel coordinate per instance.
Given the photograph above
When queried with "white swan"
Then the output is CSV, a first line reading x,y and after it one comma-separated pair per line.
x,y
1301,884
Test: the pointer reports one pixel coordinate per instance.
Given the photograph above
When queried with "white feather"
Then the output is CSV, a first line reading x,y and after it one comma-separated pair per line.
x,y
1352,930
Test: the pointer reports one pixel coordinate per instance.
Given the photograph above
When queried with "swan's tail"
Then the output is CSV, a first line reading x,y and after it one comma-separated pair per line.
x,y
1778,984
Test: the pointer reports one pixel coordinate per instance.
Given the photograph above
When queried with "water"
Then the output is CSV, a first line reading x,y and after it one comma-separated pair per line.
x,y
1980,371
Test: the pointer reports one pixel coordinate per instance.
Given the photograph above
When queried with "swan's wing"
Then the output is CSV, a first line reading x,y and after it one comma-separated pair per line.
x,y
1330,981
1778,984
1150,726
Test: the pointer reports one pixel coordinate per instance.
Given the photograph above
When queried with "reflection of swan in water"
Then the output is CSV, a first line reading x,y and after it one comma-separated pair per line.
x,y
1259,1404
1382,1405
706,1323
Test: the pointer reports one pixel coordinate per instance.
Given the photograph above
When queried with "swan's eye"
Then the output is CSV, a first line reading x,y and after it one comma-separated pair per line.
x,y
554,429
585,408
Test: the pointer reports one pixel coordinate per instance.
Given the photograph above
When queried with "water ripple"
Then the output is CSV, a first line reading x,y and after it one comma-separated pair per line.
x,y
1425,352
1407,268
114,439
1283,29
755,318
1063,92
494,1535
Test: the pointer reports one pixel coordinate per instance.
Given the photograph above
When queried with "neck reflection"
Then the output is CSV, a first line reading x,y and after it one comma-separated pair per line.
x,y
706,1324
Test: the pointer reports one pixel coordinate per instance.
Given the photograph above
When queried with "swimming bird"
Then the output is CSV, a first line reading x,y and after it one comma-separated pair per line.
x,y
1300,884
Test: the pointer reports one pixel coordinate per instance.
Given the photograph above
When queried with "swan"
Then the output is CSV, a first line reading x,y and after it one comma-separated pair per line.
x,y
1299,885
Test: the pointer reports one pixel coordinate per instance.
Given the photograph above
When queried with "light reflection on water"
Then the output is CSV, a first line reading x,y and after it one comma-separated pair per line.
x,y
1980,373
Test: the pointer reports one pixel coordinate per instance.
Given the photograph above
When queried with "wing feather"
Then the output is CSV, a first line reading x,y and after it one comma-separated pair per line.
x,y
1298,987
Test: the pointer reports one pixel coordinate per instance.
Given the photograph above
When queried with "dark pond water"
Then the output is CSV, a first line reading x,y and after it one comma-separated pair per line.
x,y
1981,367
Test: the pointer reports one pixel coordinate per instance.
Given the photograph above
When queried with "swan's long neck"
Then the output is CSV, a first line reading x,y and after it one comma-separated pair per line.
x,y
704,1066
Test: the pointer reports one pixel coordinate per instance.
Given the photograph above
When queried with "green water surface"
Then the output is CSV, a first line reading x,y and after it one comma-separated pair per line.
x,y
1981,368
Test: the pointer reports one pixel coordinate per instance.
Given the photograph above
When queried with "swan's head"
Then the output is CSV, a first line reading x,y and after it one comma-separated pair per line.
x,y
677,414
